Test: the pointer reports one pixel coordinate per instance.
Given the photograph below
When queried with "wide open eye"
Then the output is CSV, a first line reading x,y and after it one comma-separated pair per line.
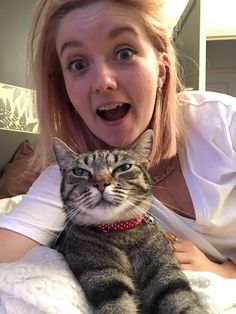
x,y
80,172
77,65
123,168
125,54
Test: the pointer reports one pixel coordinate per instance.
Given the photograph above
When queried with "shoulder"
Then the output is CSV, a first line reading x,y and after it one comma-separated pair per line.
x,y
209,120
208,111
44,192
46,189
50,177
198,99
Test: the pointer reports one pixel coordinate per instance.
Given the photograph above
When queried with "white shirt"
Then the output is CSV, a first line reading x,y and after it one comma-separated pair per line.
x,y
209,166
208,162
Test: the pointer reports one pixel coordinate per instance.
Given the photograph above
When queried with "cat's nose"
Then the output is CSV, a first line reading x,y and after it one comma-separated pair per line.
x,y
101,185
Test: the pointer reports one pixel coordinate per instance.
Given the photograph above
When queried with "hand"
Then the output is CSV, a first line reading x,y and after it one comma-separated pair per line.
x,y
191,258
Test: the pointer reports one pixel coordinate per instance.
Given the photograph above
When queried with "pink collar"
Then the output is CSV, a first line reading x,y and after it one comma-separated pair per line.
x,y
120,225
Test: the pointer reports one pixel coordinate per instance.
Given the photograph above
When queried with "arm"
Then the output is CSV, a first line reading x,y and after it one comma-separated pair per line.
x,y
191,258
219,196
14,245
38,218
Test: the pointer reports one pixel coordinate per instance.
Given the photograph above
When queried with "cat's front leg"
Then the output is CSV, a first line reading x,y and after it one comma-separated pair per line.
x,y
104,272
110,292
163,287
125,304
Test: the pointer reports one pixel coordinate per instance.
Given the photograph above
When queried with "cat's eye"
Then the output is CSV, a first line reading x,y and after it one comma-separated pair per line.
x,y
80,172
123,168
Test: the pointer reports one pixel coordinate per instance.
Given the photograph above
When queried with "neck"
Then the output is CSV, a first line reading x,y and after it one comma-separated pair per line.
x,y
163,170
120,225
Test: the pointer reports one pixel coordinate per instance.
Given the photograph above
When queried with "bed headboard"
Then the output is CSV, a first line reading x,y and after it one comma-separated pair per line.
x,y
9,141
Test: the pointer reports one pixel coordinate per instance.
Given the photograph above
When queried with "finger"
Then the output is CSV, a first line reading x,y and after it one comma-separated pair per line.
x,y
186,266
179,246
182,258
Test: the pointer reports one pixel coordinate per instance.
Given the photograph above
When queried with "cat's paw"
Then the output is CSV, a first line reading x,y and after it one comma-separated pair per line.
x,y
124,305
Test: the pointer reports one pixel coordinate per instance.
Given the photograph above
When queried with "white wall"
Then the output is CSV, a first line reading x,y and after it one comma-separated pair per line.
x,y
221,66
221,53
219,15
15,16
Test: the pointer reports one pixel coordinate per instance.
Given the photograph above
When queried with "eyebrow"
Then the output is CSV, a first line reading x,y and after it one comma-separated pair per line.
x,y
122,29
114,33
68,44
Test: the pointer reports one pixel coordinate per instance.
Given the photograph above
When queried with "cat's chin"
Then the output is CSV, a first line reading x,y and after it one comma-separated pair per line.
x,y
104,213
104,205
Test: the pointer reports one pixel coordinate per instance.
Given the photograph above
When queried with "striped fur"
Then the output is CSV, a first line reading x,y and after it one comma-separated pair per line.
x,y
121,272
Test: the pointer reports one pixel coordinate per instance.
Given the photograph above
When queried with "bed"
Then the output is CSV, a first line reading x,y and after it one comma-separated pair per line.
x,y
41,281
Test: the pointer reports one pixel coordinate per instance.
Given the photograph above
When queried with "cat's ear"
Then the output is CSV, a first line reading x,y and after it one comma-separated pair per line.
x,y
143,145
63,153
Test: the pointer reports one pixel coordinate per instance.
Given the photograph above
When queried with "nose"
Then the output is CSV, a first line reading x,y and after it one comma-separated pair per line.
x,y
104,79
101,185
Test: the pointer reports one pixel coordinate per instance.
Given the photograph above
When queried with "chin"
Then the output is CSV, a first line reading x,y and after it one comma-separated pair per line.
x,y
120,142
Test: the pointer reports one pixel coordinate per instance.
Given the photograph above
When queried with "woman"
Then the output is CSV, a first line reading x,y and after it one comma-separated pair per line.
x,y
105,72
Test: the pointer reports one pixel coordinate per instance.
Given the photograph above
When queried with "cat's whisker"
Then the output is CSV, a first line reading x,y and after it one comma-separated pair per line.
x,y
120,191
74,213
103,260
118,199
69,230
172,207
87,203
60,233
135,209
139,210
147,214
141,199
71,217
160,187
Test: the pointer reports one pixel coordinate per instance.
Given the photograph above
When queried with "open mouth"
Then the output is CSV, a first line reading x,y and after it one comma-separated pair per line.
x,y
113,112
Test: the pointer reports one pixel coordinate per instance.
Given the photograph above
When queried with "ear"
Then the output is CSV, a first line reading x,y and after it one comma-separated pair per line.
x,y
143,146
163,64
64,154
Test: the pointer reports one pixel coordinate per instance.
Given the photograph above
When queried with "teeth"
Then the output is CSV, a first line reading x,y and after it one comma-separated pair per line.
x,y
110,106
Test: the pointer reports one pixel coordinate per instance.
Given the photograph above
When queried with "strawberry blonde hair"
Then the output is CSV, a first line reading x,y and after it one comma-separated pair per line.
x,y
57,116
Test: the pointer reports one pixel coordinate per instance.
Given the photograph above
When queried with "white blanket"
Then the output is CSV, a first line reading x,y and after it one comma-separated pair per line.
x,y
42,283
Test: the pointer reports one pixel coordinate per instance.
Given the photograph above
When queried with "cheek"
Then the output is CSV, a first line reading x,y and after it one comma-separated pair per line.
x,y
146,87
147,75
70,88
76,92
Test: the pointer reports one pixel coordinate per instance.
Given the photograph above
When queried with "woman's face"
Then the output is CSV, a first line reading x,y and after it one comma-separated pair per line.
x,y
111,70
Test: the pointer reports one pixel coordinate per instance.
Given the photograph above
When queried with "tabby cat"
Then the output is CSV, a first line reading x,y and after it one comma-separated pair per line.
x,y
120,257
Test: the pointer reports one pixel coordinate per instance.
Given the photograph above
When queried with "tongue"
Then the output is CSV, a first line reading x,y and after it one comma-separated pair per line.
x,y
114,114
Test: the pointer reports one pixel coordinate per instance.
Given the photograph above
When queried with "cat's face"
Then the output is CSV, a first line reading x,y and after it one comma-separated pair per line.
x,y
104,186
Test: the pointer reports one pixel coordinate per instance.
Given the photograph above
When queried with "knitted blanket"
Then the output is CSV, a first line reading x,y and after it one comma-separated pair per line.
x,y
41,282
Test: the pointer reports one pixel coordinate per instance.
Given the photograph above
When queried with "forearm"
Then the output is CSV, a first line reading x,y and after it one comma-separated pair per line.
x,y
14,245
